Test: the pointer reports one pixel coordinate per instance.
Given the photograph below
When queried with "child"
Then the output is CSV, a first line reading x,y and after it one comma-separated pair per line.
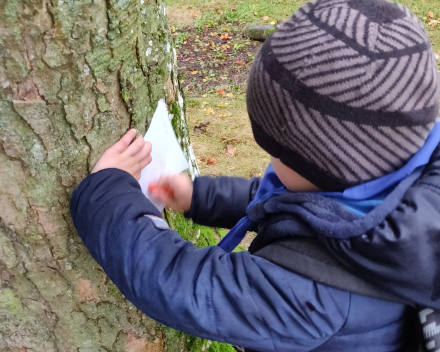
x,y
343,97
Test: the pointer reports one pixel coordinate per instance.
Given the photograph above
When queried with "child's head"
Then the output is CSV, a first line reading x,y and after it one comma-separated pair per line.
x,y
345,91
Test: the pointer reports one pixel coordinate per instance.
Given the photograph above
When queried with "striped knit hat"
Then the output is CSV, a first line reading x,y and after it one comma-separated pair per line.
x,y
345,91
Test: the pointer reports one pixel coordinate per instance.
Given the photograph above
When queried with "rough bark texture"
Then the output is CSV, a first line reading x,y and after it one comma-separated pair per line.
x,y
74,76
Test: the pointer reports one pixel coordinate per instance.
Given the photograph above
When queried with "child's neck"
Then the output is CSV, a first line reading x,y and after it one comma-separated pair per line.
x,y
291,179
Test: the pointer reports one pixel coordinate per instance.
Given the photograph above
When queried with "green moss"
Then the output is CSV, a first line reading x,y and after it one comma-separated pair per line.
x,y
220,347
125,93
10,302
103,105
175,340
10,8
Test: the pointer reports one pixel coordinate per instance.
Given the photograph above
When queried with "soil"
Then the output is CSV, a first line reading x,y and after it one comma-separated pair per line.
x,y
214,58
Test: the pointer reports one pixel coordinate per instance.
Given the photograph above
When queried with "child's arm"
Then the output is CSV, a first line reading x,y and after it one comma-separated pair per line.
x,y
210,201
235,298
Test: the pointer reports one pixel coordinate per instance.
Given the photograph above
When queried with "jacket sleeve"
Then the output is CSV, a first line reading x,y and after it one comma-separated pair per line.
x,y
402,254
235,298
221,201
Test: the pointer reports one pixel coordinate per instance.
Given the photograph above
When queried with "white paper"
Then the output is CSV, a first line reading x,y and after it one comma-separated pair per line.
x,y
168,157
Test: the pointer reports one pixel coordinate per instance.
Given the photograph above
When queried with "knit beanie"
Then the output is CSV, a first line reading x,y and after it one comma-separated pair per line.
x,y
345,91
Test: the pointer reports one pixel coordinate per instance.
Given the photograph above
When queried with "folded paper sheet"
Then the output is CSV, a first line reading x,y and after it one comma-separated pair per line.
x,y
168,157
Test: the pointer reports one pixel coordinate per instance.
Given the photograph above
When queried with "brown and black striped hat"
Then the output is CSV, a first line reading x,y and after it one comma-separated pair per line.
x,y
345,91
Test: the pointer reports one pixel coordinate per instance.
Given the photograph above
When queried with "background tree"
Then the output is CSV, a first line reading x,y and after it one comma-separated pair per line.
x,y
74,76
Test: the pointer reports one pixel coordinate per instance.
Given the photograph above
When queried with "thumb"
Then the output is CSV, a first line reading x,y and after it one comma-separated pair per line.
x,y
125,141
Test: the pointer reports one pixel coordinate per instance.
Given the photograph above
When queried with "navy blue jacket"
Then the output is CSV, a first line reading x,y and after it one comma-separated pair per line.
x,y
237,298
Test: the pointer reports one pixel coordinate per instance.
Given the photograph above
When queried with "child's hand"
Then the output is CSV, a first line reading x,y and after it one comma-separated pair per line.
x,y
173,191
125,156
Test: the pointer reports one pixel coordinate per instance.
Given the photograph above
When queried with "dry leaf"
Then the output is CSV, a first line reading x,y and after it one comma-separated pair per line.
x,y
230,150
210,111
239,63
194,72
433,23
233,8
219,11
201,128
228,95
265,18
222,116
211,161
213,34
220,92
430,14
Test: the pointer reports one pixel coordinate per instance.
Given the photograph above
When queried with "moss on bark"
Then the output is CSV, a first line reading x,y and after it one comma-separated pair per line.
x,y
74,76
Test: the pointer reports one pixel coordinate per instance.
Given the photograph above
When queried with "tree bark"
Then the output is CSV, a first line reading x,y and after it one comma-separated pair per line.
x,y
75,75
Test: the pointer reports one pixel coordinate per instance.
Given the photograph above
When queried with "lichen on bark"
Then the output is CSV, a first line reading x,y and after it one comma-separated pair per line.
x,y
74,76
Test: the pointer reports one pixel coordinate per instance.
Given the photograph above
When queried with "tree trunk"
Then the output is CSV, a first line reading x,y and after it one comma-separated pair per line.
x,y
75,75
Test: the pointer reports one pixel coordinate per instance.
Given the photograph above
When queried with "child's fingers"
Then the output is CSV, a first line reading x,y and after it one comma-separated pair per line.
x,y
135,147
144,162
162,196
144,152
124,142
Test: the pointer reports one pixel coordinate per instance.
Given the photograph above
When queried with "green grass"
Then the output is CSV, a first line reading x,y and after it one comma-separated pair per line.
x,y
247,12
420,8
244,11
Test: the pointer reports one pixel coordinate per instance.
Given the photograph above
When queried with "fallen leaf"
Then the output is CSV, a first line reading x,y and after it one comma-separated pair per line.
x,y
233,8
228,95
213,34
204,96
201,128
222,105
230,150
210,111
239,63
220,92
224,47
433,23
222,116
273,22
265,18
194,72
211,161
219,11
205,102
430,14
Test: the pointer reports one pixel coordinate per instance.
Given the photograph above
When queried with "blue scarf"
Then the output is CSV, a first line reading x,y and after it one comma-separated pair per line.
x,y
360,199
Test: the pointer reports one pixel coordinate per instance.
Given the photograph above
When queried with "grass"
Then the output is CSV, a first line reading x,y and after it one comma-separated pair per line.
x,y
204,12
228,138
421,8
